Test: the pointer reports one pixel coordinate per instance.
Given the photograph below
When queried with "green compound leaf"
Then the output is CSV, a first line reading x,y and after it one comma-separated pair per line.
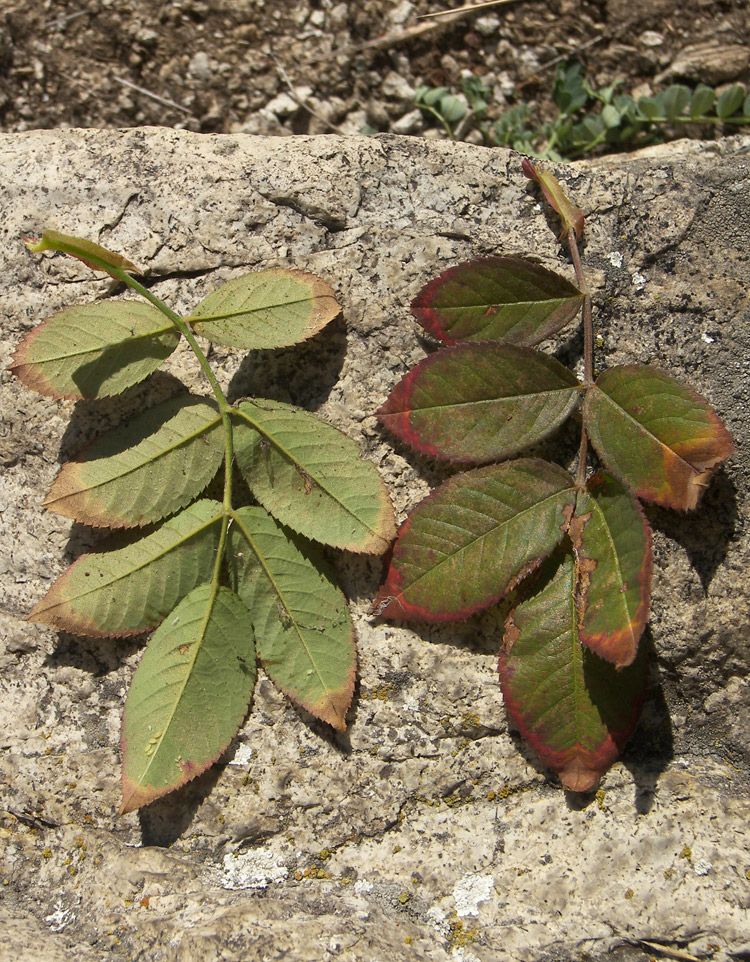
x,y
189,695
302,623
612,543
474,538
576,710
131,589
496,299
268,309
143,470
480,402
310,476
93,256
95,350
658,436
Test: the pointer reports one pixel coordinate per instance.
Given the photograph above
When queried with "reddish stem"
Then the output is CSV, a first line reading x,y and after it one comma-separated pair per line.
x,y
588,345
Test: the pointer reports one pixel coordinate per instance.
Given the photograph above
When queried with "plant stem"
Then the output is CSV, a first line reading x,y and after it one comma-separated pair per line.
x,y
225,409
588,344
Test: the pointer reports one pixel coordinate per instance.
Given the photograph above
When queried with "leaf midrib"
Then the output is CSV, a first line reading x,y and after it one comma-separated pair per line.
x,y
484,536
127,338
280,595
164,452
294,461
508,398
152,559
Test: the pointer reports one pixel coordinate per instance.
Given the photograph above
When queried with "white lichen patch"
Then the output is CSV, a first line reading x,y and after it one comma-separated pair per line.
x,y
615,258
243,755
60,918
470,891
638,280
252,870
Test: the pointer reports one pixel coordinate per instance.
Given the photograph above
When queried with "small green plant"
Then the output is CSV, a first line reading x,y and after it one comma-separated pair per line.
x,y
572,671
216,579
588,119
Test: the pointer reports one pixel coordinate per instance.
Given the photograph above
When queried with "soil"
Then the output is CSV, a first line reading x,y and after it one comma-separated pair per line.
x,y
316,66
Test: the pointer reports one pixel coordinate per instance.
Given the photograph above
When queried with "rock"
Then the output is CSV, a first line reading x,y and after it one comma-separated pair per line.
x,y
710,63
396,87
411,123
426,830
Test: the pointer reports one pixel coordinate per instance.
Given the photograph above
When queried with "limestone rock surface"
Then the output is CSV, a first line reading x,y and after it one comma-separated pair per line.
x,y
426,831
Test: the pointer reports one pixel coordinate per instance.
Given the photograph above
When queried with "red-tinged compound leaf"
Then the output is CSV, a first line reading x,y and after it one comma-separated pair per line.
x,y
310,476
143,470
304,631
612,543
475,537
658,436
496,299
189,695
131,589
95,350
570,215
574,709
267,309
93,256
480,402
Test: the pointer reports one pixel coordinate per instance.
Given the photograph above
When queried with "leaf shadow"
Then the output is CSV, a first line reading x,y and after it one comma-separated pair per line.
x,y
166,820
303,374
706,533
90,419
649,750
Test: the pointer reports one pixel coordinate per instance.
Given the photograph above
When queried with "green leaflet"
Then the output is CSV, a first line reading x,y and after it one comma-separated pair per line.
x,y
131,589
95,350
479,402
612,542
496,299
474,538
310,476
143,470
188,696
302,624
576,710
267,309
655,434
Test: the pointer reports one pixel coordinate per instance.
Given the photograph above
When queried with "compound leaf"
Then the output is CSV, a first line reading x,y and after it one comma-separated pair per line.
x,y
188,696
576,710
480,402
303,627
267,309
310,476
496,299
612,543
658,436
143,470
472,539
131,589
95,350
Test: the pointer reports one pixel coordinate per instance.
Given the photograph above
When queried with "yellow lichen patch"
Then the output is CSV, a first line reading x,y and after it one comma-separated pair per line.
x,y
458,935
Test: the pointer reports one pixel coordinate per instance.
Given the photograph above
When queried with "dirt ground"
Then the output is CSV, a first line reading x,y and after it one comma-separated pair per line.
x,y
317,66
